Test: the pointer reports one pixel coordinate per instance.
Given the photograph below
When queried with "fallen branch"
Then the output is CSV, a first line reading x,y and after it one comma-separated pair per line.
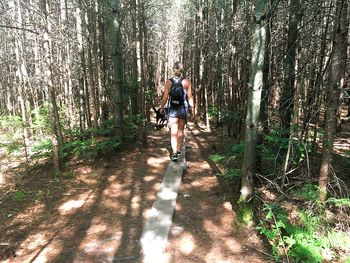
x,y
260,251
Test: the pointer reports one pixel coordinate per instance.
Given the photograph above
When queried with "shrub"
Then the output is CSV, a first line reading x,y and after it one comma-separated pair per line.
x,y
309,238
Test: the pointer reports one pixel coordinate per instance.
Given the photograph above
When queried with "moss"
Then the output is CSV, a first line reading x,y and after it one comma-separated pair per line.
x,y
245,213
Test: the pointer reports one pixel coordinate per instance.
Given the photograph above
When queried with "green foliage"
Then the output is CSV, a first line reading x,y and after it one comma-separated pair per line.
x,y
71,174
213,111
11,129
230,117
83,145
275,139
42,148
108,145
132,125
216,158
11,121
275,148
230,175
308,192
79,148
40,117
43,145
149,94
338,240
236,150
14,146
87,149
341,202
19,196
307,238
106,129
245,213
298,240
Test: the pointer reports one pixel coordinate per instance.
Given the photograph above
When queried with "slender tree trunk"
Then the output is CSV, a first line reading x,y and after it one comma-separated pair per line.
x,y
337,71
253,107
219,78
266,81
56,139
118,71
287,101
135,73
81,69
92,87
22,81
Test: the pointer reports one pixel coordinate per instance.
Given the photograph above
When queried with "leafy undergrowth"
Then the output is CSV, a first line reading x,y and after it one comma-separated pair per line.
x,y
302,229
19,157
296,225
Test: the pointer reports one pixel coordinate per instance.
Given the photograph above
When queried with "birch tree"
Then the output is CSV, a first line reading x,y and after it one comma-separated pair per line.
x,y
253,111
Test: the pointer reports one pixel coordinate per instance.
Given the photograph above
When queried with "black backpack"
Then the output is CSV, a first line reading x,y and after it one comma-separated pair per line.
x,y
177,93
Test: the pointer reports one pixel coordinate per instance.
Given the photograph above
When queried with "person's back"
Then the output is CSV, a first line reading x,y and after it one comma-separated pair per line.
x,y
178,95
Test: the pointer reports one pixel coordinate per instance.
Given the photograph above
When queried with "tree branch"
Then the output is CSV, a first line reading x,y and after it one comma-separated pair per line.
x,y
20,28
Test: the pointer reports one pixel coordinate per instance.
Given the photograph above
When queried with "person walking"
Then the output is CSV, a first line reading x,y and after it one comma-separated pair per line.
x,y
178,94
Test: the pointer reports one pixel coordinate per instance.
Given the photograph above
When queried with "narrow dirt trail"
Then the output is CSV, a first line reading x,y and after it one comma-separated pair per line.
x,y
98,216
203,225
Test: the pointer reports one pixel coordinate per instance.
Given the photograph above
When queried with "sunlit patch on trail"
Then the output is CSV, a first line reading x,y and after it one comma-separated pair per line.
x,y
227,206
135,204
84,170
97,228
71,205
233,245
149,178
156,186
216,255
187,244
156,161
50,252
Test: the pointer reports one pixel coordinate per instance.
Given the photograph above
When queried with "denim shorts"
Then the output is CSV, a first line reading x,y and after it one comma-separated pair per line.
x,y
180,113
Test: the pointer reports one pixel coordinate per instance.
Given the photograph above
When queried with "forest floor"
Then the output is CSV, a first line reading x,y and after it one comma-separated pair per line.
x,y
95,211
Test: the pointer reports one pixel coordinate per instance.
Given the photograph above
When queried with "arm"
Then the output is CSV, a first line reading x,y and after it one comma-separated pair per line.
x,y
165,95
189,93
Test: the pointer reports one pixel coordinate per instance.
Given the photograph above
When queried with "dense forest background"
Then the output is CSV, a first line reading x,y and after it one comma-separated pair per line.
x,y
270,75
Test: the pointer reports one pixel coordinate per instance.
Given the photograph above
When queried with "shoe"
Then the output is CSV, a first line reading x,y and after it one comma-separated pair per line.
x,y
179,152
174,157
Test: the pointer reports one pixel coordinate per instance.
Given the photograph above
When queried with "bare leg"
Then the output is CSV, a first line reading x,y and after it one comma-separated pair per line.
x,y
174,125
180,134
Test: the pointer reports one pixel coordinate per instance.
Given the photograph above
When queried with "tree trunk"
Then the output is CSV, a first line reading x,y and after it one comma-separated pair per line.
x,y
253,107
118,71
56,139
81,69
220,53
264,112
287,100
337,71
92,87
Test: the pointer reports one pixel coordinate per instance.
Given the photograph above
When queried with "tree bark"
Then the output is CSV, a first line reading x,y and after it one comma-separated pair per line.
x,y
118,71
81,69
56,139
336,83
253,107
287,100
220,53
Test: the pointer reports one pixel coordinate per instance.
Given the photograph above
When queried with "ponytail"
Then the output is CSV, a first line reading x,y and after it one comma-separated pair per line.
x,y
178,69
